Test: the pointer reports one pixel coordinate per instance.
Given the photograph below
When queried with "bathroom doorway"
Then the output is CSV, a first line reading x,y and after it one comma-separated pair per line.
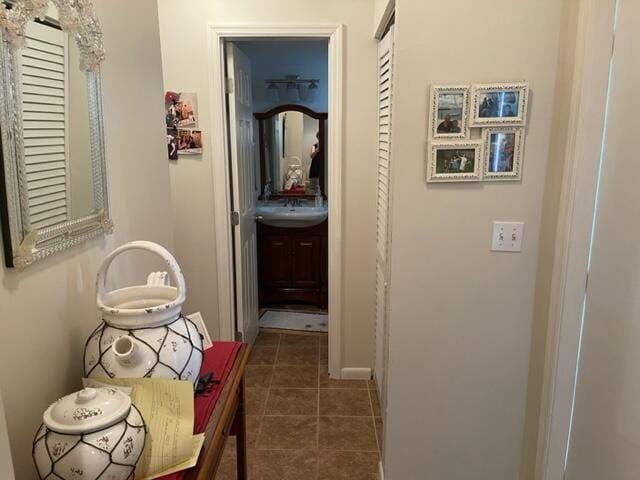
x,y
278,156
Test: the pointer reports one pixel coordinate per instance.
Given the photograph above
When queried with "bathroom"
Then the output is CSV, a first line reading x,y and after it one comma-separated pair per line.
x,y
287,158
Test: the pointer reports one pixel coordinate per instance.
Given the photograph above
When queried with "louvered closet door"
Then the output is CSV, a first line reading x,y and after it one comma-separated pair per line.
x,y
385,83
44,83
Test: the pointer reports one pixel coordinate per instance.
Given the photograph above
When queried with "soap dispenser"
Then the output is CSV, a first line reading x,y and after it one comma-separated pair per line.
x,y
318,197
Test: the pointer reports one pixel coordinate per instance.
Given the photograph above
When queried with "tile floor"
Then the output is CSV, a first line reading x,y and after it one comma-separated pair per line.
x,y
302,425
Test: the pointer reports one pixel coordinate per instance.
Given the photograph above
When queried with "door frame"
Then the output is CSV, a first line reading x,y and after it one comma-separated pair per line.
x,y
217,35
578,203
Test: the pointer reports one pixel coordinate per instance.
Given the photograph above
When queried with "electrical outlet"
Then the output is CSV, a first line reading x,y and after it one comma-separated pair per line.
x,y
507,236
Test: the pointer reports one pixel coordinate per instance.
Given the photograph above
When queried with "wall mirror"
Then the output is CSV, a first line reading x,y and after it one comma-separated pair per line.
x,y
292,150
53,182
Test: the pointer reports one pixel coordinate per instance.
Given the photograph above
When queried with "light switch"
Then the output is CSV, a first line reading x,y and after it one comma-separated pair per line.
x,y
507,236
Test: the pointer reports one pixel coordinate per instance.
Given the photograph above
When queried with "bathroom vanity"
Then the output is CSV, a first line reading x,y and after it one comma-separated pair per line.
x,y
292,265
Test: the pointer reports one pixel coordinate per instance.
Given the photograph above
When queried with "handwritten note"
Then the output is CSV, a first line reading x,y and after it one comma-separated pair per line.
x,y
167,409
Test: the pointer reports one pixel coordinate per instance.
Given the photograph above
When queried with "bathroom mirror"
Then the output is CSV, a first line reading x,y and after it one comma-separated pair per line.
x,y
292,150
53,178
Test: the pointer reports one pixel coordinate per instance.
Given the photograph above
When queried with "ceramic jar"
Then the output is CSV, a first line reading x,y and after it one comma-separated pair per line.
x,y
94,433
143,333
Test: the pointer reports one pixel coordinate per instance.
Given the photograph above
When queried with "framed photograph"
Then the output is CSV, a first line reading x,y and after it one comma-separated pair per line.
x,y
503,151
454,162
449,111
497,104
189,142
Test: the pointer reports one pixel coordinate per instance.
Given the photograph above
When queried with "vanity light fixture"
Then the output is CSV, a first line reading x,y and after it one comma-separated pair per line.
x,y
294,84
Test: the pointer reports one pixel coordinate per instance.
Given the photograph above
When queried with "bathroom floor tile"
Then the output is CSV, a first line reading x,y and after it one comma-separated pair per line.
x,y
252,426
292,401
326,382
267,339
262,355
298,356
299,340
324,355
258,376
288,433
256,399
347,433
284,465
334,465
293,376
341,402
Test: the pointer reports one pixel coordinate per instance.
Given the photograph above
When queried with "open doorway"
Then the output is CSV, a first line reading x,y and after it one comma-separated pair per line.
x,y
280,255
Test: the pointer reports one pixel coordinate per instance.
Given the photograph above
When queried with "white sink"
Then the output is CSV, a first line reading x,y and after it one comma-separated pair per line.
x,y
275,214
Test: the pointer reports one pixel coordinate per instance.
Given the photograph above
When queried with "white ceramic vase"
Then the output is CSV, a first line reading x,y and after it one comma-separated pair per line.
x,y
94,433
143,333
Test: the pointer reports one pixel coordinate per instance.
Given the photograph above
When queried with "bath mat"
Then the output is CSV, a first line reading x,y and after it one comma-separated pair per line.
x,y
307,322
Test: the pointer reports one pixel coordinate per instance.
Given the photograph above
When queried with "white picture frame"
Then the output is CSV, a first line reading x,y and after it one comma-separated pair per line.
x,y
441,106
450,161
499,104
498,165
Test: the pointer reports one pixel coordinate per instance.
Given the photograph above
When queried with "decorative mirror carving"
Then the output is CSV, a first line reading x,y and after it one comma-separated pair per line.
x,y
53,182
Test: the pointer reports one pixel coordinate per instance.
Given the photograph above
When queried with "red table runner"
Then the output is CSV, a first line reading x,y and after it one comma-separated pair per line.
x,y
219,360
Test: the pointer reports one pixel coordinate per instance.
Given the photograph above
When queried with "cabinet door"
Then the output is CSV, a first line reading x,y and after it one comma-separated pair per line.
x,y
275,261
307,256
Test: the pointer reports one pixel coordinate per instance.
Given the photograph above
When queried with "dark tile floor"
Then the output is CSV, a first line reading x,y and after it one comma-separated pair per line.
x,y
302,425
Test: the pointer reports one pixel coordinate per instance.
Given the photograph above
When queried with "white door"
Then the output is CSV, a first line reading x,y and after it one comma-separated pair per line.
x,y
244,194
605,438
385,82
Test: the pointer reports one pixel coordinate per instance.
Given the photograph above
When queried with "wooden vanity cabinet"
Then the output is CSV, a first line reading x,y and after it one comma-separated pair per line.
x,y
292,265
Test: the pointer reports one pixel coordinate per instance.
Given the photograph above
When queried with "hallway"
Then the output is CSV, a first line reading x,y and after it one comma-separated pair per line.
x,y
300,423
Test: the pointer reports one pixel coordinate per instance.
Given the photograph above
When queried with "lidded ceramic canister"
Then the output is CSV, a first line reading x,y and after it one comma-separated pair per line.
x,y
144,333
94,433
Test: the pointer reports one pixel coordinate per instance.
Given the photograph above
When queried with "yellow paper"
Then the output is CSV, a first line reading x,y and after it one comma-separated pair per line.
x,y
167,409
198,441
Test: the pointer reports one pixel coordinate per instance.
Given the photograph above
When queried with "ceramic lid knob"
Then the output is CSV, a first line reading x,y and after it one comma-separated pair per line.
x,y
86,395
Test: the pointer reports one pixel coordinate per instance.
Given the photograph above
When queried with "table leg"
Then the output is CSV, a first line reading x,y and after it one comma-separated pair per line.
x,y
239,430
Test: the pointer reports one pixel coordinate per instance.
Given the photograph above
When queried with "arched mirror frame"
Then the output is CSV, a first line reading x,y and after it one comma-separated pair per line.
x,y
320,116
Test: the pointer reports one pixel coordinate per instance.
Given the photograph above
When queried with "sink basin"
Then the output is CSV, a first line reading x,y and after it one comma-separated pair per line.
x,y
275,214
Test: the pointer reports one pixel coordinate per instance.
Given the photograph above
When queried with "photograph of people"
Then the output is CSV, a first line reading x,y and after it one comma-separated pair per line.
x,y
450,110
189,141
455,161
172,147
499,105
502,152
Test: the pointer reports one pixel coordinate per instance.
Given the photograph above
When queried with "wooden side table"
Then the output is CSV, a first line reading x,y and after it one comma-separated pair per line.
x,y
228,418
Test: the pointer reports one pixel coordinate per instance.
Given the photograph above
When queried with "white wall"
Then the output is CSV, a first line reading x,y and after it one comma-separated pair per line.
x,y
275,59
48,310
6,463
461,316
184,53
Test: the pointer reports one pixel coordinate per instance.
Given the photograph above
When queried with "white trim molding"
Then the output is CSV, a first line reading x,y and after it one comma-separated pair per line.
x,y
217,35
577,206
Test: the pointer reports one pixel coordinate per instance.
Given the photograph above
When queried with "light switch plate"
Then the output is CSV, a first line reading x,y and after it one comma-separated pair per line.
x,y
507,236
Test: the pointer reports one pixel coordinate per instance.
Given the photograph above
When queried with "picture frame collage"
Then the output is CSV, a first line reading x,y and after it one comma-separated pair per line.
x,y
184,136
457,151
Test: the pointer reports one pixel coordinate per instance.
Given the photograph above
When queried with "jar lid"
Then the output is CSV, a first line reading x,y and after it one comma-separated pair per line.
x,y
88,410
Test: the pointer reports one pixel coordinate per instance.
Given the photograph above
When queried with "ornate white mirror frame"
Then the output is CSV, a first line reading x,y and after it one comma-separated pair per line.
x,y
23,244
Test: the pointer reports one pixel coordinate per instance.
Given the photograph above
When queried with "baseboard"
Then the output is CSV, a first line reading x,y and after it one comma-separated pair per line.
x,y
380,471
355,374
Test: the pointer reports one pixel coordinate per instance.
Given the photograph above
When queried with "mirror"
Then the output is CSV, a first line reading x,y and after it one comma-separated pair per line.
x,y
53,160
292,146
